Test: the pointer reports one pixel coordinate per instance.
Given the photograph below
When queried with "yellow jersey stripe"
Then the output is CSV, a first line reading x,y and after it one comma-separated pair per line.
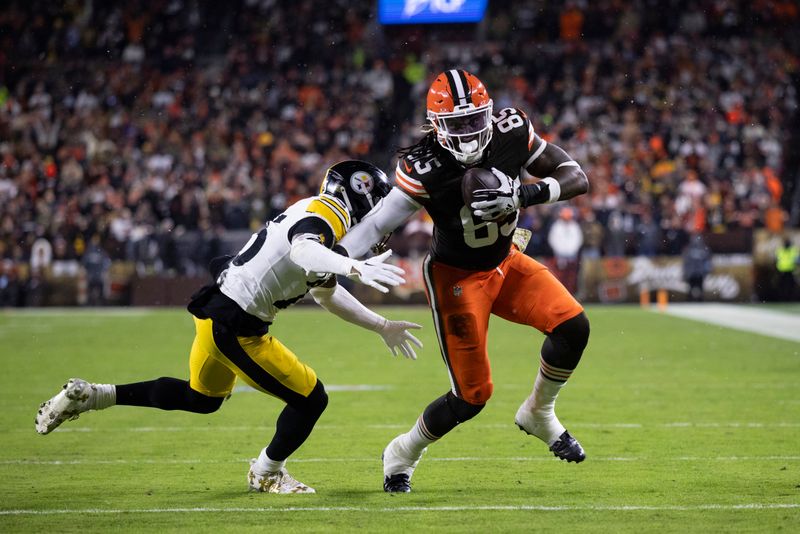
x,y
338,207
331,216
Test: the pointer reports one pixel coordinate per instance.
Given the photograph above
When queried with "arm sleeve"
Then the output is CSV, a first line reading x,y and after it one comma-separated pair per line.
x,y
394,210
341,303
315,258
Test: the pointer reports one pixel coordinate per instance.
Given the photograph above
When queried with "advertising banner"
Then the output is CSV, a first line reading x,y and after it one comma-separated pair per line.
x,y
430,11
623,279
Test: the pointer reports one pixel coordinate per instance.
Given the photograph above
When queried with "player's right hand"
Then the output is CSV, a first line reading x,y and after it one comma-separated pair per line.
x,y
492,204
374,272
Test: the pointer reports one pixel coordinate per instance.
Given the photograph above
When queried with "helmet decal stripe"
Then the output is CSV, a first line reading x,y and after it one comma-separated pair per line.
x,y
459,86
462,76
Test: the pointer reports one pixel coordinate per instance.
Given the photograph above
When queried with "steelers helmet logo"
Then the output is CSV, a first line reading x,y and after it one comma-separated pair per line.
x,y
361,182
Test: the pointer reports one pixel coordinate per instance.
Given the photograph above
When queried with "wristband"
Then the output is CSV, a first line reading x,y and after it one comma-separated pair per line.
x,y
554,187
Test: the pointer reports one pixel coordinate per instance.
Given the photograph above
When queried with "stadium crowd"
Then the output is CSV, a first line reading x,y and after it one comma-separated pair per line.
x,y
162,132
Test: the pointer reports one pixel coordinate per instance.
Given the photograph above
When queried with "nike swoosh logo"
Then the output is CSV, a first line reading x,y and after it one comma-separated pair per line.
x,y
407,166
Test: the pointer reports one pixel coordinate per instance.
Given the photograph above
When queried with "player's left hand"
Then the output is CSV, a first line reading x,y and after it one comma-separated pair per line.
x,y
397,337
495,203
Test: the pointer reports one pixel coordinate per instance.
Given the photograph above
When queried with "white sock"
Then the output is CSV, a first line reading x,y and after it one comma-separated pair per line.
x,y
105,395
407,449
265,465
415,440
537,413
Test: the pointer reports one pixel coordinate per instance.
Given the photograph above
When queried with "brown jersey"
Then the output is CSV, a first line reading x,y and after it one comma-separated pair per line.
x,y
432,176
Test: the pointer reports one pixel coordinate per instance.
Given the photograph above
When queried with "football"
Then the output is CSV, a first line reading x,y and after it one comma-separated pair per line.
x,y
474,179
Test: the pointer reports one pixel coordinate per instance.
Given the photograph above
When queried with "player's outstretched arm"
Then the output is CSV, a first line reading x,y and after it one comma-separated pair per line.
x,y
392,211
395,334
374,272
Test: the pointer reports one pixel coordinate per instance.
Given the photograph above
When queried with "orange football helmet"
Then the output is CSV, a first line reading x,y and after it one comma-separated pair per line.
x,y
460,110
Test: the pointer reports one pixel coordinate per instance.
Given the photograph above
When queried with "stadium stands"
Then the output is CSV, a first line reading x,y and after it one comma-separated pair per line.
x,y
165,131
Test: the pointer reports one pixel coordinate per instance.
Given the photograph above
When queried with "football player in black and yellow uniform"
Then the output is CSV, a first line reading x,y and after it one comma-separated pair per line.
x,y
289,257
473,270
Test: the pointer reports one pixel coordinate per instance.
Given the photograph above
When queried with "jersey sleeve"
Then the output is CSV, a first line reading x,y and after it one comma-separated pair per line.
x,y
316,228
534,145
336,215
406,181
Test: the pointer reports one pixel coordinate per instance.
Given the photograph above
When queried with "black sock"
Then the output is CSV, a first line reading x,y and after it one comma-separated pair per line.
x,y
166,393
295,424
443,414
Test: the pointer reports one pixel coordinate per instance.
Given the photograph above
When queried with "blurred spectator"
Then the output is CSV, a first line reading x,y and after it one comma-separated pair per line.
x,y
96,264
648,233
615,240
775,218
696,266
157,124
565,239
10,287
787,258
592,232
41,256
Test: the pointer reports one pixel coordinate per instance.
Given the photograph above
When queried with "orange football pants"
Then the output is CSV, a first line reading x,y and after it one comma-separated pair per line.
x,y
520,290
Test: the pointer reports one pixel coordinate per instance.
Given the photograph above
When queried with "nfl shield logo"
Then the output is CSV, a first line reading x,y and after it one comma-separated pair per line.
x,y
457,291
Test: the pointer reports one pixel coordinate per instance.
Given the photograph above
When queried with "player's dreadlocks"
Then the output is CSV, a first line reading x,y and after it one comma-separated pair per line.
x,y
423,147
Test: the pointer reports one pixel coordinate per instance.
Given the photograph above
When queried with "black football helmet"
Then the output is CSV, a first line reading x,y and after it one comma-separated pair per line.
x,y
358,184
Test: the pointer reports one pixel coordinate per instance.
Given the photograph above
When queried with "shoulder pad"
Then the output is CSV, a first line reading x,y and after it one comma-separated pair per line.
x,y
332,212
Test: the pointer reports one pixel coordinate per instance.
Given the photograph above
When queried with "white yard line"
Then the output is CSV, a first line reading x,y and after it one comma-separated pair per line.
x,y
394,509
376,459
25,314
747,318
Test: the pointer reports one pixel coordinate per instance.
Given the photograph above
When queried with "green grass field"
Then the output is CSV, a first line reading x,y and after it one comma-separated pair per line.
x,y
687,427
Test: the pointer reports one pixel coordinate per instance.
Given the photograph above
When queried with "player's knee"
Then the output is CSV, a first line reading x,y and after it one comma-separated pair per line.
x,y
572,335
316,402
565,345
479,394
203,403
463,410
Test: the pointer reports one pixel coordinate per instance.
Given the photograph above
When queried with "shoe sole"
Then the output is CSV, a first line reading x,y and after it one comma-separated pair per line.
x,y
54,412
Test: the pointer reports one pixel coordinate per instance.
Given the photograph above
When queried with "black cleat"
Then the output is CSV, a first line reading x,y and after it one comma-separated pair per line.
x,y
399,483
567,448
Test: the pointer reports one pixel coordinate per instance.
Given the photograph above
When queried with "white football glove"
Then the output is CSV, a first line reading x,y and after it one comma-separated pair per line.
x,y
495,203
374,272
397,337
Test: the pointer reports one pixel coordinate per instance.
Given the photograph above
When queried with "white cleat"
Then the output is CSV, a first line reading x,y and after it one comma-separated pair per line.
x,y
280,482
545,427
398,466
550,430
74,398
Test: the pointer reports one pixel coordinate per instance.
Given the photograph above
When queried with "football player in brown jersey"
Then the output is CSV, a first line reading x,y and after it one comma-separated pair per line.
x,y
473,270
